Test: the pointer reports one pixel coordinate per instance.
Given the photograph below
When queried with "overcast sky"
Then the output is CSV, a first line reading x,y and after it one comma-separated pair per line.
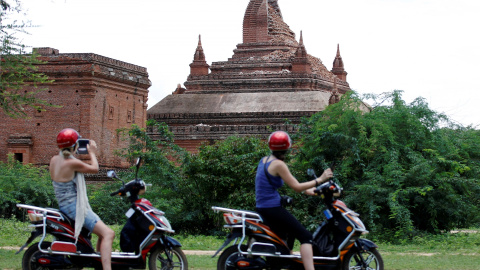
x,y
428,48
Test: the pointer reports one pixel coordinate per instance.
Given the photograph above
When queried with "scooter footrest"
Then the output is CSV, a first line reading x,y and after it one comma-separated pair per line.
x,y
63,247
263,248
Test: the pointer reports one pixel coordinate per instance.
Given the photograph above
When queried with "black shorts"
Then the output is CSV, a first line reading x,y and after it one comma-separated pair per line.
x,y
285,224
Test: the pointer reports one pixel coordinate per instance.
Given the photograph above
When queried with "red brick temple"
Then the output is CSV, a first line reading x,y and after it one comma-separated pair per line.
x,y
270,78
97,94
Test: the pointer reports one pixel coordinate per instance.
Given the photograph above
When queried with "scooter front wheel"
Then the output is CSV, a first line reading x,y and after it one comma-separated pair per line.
x,y
159,260
368,260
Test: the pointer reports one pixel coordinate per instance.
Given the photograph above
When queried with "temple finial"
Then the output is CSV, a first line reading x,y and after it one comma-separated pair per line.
x,y
338,67
199,66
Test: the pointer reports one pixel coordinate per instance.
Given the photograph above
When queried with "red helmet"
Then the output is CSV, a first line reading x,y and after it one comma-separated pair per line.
x,y
67,138
279,141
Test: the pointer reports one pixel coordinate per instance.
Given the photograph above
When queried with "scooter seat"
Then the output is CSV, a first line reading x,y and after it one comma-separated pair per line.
x,y
70,221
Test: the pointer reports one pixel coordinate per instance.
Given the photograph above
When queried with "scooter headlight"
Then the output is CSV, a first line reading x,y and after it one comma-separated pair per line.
x,y
164,222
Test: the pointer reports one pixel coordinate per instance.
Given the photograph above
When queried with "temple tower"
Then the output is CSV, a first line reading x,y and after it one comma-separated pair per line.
x,y
269,78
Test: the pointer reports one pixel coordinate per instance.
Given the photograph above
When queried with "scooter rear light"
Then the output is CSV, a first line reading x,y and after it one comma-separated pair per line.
x,y
231,218
43,261
34,216
243,264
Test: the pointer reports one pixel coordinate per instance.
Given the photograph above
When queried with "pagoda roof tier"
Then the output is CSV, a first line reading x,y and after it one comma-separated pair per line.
x,y
243,102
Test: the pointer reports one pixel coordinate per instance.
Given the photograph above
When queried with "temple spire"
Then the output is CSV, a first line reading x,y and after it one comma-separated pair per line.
x,y
301,64
338,67
199,55
199,66
263,22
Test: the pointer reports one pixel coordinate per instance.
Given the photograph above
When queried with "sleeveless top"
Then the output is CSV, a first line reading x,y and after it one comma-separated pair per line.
x,y
266,193
66,192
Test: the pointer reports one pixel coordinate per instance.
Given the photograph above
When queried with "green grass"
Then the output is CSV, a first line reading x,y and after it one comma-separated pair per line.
x,y
443,252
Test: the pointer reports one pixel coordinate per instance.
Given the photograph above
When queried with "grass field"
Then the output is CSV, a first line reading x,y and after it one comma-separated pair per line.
x,y
459,250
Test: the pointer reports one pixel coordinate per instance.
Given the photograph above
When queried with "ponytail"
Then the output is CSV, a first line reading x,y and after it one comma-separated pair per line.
x,y
66,152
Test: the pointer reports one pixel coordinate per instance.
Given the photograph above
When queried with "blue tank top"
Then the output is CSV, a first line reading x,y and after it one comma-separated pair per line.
x,y
266,193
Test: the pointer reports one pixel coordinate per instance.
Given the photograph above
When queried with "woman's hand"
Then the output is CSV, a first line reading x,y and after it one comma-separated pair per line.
x,y
92,147
311,191
327,174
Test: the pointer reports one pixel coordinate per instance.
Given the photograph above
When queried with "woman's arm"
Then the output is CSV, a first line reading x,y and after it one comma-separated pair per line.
x,y
83,167
279,168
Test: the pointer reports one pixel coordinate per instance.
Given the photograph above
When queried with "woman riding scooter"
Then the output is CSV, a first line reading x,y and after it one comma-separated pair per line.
x,y
272,172
69,182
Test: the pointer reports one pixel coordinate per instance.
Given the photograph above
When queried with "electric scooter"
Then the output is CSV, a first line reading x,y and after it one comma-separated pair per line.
x,y
143,236
336,241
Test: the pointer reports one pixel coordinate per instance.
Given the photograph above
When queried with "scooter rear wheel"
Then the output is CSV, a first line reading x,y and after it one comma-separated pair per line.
x,y
228,257
159,260
30,261
372,258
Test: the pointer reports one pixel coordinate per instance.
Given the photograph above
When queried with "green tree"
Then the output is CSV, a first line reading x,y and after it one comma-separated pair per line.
x,y
19,76
404,167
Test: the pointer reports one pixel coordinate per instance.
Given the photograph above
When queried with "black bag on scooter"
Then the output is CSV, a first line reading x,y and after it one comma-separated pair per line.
x,y
324,242
131,237
127,237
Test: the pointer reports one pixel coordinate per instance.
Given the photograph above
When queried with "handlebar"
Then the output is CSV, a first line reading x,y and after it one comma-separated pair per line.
x,y
329,187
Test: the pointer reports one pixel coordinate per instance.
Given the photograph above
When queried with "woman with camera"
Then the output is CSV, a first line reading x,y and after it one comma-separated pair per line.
x,y
272,172
69,183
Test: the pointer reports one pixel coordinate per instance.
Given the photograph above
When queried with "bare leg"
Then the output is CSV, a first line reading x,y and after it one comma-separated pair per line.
x,y
104,244
306,252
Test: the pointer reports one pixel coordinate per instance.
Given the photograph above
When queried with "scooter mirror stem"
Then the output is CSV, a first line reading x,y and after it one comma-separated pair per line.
x,y
138,167
311,172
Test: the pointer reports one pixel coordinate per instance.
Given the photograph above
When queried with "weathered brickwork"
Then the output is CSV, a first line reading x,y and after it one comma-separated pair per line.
x,y
97,95
269,79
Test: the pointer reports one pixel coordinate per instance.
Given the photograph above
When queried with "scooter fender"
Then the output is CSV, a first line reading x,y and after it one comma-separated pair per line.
x,y
365,244
166,242
34,234
172,242
229,239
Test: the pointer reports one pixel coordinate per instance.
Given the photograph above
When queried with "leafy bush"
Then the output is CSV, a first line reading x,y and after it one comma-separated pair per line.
x,y
24,184
186,186
110,209
222,174
161,159
404,167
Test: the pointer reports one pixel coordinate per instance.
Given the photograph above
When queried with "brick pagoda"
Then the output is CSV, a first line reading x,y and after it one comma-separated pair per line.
x,y
269,78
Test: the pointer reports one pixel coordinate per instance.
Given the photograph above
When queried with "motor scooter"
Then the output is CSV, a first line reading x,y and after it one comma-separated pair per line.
x,y
144,235
336,241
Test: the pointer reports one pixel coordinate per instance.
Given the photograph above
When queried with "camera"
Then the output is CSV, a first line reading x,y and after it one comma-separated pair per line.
x,y
82,146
